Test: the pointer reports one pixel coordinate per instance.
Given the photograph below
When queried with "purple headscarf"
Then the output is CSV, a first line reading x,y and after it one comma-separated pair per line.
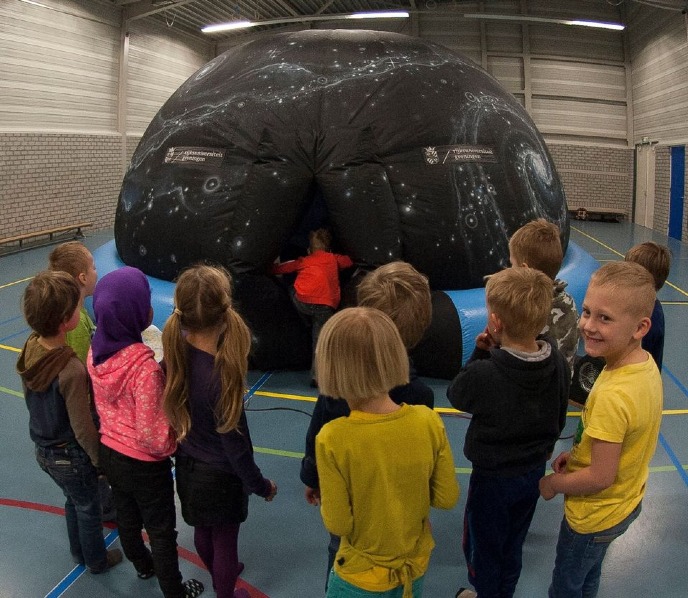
x,y
121,303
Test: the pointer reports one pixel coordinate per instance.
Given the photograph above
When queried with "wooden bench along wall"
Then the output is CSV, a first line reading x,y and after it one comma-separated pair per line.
x,y
608,214
54,235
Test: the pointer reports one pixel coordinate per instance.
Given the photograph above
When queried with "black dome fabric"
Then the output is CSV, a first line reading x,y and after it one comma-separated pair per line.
x,y
413,151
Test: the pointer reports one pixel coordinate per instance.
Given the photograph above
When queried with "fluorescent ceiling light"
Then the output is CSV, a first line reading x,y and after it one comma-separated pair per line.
x,y
528,19
397,14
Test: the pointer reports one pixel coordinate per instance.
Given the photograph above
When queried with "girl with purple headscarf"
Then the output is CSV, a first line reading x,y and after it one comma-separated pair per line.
x,y
136,438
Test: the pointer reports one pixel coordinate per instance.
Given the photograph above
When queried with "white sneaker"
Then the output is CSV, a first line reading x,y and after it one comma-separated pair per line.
x,y
466,593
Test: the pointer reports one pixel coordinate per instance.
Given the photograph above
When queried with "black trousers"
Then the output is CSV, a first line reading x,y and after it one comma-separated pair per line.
x,y
143,493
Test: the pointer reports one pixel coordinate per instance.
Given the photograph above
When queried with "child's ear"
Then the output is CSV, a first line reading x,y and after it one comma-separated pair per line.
x,y
82,278
494,323
642,329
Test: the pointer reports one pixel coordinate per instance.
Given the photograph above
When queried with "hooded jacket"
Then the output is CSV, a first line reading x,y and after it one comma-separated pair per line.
x,y
128,389
518,407
57,395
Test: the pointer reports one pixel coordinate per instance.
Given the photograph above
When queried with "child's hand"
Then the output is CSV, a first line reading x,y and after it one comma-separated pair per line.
x,y
485,341
560,463
546,490
312,496
273,492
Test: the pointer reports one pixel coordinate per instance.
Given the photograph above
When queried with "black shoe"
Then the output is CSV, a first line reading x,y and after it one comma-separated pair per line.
x,y
192,588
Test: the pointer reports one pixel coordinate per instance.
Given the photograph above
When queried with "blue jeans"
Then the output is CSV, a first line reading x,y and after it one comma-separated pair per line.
x,y
338,588
143,493
72,470
498,514
578,565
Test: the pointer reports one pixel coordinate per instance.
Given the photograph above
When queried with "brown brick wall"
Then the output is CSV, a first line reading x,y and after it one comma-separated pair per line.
x,y
595,176
50,180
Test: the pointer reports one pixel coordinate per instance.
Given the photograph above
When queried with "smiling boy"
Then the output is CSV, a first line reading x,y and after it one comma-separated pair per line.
x,y
604,475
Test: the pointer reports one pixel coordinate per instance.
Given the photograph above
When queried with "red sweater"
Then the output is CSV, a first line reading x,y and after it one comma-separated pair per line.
x,y
317,279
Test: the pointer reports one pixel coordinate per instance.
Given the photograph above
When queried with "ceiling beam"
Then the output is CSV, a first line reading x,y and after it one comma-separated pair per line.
x,y
146,8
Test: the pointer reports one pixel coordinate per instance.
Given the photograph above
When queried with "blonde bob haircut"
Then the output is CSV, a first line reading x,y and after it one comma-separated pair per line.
x,y
360,355
537,245
522,298
631,284
403,293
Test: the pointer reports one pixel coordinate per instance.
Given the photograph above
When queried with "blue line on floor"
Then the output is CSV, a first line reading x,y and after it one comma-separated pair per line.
x,y
78,571
22,331
19,317
674,459
262,380
675,380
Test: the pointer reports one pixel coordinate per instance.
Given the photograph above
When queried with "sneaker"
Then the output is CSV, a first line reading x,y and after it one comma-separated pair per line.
x,y
114,557
192,588
466,593
144,567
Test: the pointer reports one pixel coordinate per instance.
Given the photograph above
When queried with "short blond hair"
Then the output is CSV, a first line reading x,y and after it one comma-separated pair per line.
x,y
522,298
360,355
655,258
72,257
632,285
403,293
538,245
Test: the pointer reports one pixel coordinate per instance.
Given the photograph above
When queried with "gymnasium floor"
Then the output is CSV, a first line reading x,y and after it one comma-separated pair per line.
x,y
283,543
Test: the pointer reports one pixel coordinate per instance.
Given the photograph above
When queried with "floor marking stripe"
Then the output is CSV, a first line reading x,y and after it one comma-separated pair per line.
x,y
675,380
614,251
8,348
10,284
278,453
674,459
22,331
14,393
281,395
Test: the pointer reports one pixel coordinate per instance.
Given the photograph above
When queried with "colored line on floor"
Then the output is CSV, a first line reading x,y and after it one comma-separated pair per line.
x,y
110,538
281,395
13,319
614,251
10,284
8,348
22,331
674,459
675,380
9,391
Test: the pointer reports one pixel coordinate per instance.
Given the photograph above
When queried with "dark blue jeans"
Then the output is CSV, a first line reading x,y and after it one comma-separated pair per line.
x,y
314,315
578,565
72,470
143,492
498,514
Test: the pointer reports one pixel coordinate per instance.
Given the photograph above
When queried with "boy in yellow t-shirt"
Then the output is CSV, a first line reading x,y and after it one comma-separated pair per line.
x,y
604,475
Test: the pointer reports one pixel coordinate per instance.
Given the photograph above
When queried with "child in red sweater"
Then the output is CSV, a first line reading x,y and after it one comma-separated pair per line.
x,y
316,291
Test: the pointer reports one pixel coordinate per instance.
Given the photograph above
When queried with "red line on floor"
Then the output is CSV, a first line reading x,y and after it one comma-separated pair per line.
x,y
187,555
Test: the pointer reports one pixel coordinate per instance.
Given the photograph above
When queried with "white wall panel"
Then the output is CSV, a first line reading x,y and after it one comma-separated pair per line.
x,y
58,66
578,80
160,60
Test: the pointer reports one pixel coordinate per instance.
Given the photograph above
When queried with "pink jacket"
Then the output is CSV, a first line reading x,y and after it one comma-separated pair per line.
x,y
128,389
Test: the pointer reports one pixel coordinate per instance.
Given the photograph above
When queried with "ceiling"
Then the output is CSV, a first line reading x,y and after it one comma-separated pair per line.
x,y
191,15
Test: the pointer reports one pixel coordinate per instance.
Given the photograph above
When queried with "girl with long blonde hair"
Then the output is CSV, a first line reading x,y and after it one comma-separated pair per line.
x,y
206,345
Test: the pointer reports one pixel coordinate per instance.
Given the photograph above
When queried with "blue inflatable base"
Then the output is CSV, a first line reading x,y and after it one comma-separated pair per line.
x,y
470,304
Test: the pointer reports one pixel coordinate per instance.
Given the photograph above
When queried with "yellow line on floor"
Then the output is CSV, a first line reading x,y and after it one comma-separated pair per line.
x,y
9,391
460,470
281,395
9,284
673,286
8,348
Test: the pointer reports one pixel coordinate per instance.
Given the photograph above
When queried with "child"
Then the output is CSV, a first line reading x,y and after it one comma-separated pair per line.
x,y
136,437
60,419
206,346
381,468
403,293
316,291
537,245
603,478
73,257
657,260
516,386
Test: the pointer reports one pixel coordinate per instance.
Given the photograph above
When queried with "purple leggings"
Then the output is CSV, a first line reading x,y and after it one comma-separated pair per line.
x,y
217,547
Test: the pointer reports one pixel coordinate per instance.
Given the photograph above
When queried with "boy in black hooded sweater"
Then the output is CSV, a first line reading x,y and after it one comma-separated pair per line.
x,y
516,387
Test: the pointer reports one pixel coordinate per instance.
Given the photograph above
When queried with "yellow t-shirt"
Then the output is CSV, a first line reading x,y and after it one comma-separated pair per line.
x,y
79,339
379,476
624,406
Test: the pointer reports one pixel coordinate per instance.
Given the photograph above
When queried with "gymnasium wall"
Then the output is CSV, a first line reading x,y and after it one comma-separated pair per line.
x,y
68,126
